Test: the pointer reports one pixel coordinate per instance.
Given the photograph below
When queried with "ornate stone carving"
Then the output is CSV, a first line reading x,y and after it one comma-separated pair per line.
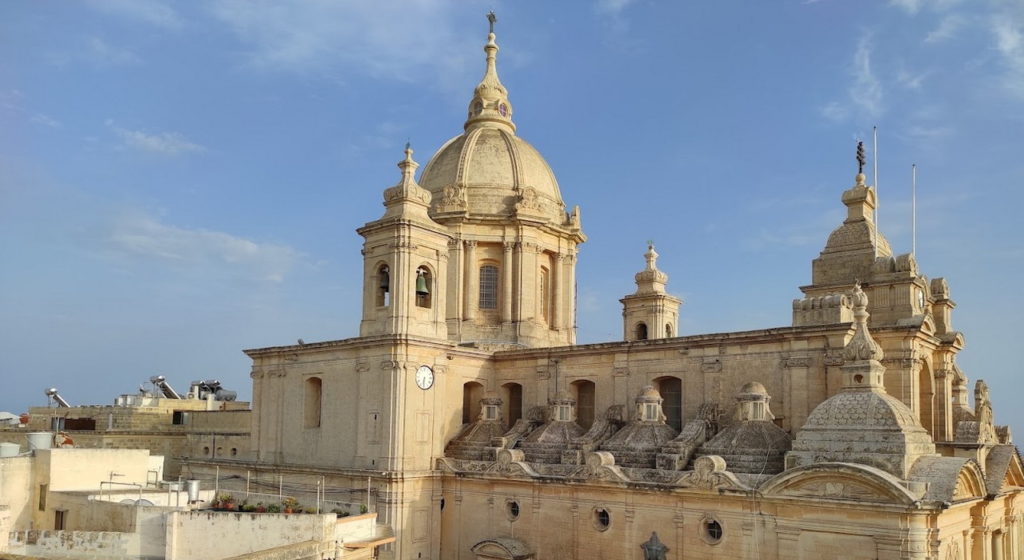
x,y
834,358
453,197
389,364
362,365
708,474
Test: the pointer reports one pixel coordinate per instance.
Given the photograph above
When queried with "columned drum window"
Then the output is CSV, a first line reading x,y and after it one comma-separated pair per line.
x,y
488,287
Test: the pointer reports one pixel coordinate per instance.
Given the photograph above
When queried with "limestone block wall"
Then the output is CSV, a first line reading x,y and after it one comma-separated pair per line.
x,y
798,366
75,544
16,484
566,521
201,534
371,413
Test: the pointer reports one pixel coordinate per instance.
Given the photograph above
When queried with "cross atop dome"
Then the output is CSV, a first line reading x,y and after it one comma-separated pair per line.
x,y
490,105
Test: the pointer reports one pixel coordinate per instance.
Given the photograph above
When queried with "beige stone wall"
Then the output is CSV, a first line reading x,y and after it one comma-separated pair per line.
x,y
559,519
16,492
201,534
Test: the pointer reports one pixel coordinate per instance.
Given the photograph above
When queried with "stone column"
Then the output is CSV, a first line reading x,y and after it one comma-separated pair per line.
x,y
471,281
556,291
528,286
506,283
570,295
517,288
454,285
997,546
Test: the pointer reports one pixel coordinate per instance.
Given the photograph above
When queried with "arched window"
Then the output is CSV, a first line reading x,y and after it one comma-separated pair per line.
x,y
383,289
313,397
488,287
668,330
641,331
585,394
472,392
671,389
424,287
513,401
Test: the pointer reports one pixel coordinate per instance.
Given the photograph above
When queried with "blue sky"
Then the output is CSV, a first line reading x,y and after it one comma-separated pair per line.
x,y
182,181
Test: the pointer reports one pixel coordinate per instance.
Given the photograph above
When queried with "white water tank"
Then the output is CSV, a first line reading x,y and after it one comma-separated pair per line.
x,y
192,487
9,449
39,440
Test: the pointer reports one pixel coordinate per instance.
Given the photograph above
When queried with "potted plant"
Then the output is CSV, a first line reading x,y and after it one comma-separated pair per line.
x,y
260,508
227,502
340,512
289,505
273,508
363,508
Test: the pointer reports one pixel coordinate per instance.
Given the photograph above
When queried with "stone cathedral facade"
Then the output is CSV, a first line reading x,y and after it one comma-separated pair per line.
x,y
482,431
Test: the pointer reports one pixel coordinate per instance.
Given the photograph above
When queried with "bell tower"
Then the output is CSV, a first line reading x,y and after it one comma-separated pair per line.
x,y
650,312
405,260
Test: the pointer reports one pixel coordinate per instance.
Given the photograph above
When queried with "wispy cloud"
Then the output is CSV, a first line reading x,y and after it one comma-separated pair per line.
x,y
612,7
142,235
947,29
384,38
1009,40
910,80
45,120
103,53
865,94
910,6
165,143
152,12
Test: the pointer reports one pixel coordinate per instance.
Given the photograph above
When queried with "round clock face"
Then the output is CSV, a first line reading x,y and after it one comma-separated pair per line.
x,y
424,377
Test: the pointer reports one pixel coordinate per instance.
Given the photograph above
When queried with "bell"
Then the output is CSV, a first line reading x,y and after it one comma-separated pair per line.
x,y
421,285
385,280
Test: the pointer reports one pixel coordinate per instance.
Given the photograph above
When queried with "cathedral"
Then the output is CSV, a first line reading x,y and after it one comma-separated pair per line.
x,y
479,429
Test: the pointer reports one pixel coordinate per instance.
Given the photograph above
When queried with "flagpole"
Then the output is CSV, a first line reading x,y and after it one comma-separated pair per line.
x,y
874,165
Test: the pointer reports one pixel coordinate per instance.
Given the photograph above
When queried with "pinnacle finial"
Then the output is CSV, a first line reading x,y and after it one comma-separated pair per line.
x,y
490,105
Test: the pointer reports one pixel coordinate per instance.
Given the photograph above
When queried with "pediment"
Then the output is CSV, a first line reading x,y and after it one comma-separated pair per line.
x,y
839,481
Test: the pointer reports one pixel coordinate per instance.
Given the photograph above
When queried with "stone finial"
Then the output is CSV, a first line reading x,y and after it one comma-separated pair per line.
x,y
490,105
651,256
650,280
862,347
407,190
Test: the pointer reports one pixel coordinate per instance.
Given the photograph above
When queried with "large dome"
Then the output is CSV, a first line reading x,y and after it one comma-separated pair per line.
x,y
492,172
488,171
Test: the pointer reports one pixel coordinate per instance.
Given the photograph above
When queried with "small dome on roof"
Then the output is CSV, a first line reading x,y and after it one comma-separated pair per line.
x,y
753,388
649,394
